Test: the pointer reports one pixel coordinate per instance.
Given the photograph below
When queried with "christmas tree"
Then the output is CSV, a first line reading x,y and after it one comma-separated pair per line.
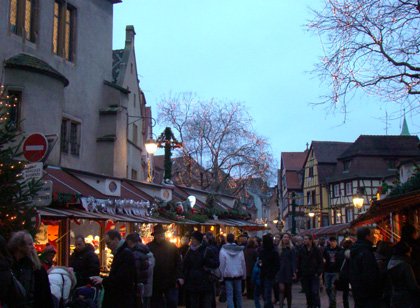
x,y
16,212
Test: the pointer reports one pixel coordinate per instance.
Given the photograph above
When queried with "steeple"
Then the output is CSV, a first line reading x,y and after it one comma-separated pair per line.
x,y
404,130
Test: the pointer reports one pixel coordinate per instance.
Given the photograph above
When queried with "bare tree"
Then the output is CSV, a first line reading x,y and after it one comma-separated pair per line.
x,y
371,45
219,137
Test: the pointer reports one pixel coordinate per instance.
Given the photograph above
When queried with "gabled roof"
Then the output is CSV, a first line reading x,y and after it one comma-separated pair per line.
x,y
327,152
292,180
293,160
391,146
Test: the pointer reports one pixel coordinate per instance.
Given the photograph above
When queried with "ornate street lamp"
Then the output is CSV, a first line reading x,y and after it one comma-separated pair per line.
x,y
167,141
358,199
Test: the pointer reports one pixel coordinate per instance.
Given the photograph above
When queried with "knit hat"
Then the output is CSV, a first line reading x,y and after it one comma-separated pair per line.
x,y
197,235
49,249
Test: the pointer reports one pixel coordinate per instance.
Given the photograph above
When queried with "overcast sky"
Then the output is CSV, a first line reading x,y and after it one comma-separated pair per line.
x,y
255,52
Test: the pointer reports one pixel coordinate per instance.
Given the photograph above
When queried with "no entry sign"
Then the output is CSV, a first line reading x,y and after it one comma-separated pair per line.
x,y
35,147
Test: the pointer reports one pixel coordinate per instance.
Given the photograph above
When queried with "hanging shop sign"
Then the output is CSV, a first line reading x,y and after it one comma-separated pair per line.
x,y
43,197
32,171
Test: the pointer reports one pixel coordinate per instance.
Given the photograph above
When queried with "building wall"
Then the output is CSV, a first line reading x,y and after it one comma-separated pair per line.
x,y
83,96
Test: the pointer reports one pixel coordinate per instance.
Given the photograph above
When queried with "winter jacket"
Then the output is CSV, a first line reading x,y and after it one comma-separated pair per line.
x,y
120,291
35,282
62,281
232,261
140,252
269,263
364,272
330,257
148,287
344,268
85,264
168,266
6,289
309,262
251,255
405,290
195,266
287,260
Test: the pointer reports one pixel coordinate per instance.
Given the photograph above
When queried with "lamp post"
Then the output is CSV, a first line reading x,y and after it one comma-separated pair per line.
x,y
167,141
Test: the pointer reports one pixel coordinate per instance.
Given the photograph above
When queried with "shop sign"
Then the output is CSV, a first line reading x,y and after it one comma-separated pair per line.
x,y
44,196
32,171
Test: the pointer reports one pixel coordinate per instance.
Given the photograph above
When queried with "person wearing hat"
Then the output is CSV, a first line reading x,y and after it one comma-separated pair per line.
x,y
47,256
167,272
196,265
331,269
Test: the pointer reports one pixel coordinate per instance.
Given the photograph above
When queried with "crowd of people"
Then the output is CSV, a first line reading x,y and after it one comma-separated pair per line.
x,y
206,269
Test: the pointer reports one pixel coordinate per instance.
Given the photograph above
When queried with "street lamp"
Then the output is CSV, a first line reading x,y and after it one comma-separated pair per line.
x,y
358,199
167,141
151,148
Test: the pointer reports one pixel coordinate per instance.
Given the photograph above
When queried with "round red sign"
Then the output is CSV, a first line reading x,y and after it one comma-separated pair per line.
x,y
35,147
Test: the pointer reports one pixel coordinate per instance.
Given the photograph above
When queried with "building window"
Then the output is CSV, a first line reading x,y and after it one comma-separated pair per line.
x,y
70,137
313,198
15,109
349,190
346,165
349,214
23,17
133,174
311,172
64,142
135,133
336,190
308,198
392,164
64,27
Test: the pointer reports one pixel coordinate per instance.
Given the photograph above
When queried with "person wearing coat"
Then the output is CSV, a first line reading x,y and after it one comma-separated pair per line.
x,y
140,252
251,255
364,272
148,287
8,296
405,290
233,270
28,270
269,266
197,261
287,270
310,266
167,273
84,261
120,285
62,281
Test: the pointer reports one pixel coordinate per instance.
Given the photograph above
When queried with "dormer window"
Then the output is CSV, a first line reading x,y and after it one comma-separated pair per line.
x,y
392,164
346,165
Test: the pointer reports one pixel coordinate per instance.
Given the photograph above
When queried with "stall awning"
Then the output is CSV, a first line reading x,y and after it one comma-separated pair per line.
x,y
382,208
65,183
82,214
243,224
327,230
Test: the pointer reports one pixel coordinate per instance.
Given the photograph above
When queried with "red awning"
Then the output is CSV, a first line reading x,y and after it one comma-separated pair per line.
x,y
65,183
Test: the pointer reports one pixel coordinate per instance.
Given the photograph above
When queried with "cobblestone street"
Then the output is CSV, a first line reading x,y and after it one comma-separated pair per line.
x,y
298,300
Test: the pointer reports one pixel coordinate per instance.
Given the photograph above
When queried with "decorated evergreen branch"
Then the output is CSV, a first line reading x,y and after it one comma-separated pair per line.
x,y
16,213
